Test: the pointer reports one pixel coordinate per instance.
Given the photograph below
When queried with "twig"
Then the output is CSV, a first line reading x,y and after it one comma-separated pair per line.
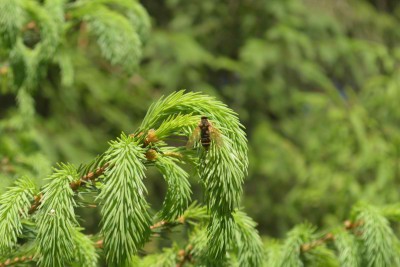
x,y
348,225
91,176
308,246
181,220
158,224
16,260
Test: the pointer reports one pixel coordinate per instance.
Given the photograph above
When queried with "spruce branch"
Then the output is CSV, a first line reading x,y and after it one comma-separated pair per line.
x,y
10,22
85,250
25,61
136,13
117,38
75,184
178,191
50,35
347,247
222,169
247,241
126,221
192,215
365,240
14,205
56,220
377,238
177,125
290,255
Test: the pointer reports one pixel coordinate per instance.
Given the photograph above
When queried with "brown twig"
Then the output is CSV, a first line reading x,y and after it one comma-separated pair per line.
x,y
348,225
158,224
100,243
16,260
308,246
91,176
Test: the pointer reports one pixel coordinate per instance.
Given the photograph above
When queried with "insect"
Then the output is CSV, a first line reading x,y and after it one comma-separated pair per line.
x,y
205,132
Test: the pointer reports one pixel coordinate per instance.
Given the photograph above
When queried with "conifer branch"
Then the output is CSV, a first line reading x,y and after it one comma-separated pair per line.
x,y
90,176
348,225
117,38
14,204
56,220
85,250
10,23
178,191
122,196
126,221
378,239
247,241
348,249
222,169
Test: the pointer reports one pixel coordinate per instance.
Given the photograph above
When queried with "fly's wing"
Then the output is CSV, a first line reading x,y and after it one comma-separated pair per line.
x,y
194,137
215,135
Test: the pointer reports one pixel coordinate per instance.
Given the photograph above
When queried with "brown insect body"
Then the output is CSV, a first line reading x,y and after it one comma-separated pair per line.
x,y
205,133
204,126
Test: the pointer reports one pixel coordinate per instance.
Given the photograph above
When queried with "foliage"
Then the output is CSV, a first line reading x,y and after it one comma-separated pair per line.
x,y
119,173
367,240
315,83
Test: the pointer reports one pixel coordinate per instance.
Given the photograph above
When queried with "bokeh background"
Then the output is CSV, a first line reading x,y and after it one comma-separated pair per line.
x,y
315,82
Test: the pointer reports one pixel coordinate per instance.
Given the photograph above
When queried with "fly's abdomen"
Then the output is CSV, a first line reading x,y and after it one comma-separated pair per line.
x,y
205,137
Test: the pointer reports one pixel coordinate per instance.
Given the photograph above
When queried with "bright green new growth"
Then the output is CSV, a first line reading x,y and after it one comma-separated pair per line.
x,y
178,192
366,240
347,247
290,251
126,221
247,241
222,168
222,230
10,22
379,243
85,250
56,219
14,205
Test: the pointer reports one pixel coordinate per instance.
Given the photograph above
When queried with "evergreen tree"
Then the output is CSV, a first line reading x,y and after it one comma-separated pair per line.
x,y
315,83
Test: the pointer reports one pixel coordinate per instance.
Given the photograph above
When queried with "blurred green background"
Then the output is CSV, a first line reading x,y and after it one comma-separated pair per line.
x,y
315,82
